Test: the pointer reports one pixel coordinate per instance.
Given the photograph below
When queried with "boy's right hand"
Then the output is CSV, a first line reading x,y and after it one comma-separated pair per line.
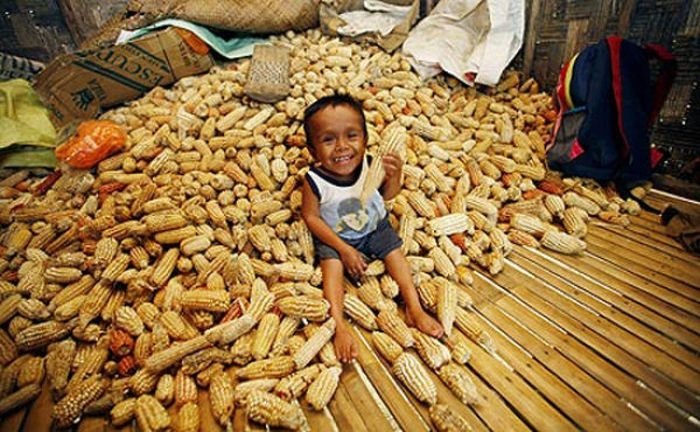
x,y
353,261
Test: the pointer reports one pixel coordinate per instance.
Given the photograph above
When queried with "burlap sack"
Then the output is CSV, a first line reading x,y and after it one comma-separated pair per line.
x,y
330,21
251,16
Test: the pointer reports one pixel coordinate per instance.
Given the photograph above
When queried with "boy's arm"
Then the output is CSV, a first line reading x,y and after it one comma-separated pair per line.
x,y
311,213
393,166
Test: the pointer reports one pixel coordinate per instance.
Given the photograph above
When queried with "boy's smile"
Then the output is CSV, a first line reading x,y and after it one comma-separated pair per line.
x,y
338,139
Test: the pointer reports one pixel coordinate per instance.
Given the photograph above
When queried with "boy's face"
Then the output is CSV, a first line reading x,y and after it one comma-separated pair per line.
x,y
338,139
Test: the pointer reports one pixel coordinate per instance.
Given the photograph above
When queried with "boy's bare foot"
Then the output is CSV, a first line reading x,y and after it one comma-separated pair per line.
x,y
345,345
423,322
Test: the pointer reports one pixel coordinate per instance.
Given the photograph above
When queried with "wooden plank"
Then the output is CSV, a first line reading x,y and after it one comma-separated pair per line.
x,y
344,412
661,198
621,383
662,238
674,275
618,231
92,424
617,345
404,413
319,420
631,286
361,397
572,387
652,250
575,287
39,413
13,421
531,36
652,226
491,407
530,405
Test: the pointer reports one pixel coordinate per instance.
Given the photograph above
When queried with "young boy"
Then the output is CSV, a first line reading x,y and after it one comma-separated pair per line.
x,y
343,228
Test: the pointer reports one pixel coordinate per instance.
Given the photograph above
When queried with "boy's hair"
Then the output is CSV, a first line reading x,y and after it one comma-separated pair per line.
x,y
332,100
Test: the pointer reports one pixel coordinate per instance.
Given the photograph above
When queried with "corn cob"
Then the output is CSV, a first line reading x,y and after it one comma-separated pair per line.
x,y
40,335
194,245
574,222
242,390
165,389
375,268
185,390
148,313
123,412
563,243
386,346
242,349
446,303
303,236
8,307
229,331
32,372
473,330
8,349
359,312
287,327
421,204
295,271
205,300
143,382
175,236
445,420
554,204
394,144
221,397
276,367
177,327
407,226
127,319
433,353
314,344
461,352
322,389
69,408
244,269
269,409
443,264
529,224
421,264
265,335
164,267
394,326
572,199
58,364
173,354
311,308
161,222
522,238
150,414
450,224
411,373
457,379
188,418
370,294
19,398
73,290
62,275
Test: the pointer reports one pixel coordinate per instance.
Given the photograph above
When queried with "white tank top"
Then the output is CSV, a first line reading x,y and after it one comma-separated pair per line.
x,y
340,204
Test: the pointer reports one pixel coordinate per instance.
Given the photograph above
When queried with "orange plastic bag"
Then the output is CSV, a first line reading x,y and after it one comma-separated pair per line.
x,y
94,141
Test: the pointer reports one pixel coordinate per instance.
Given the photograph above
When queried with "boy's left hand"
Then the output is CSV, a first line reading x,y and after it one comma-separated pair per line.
x,y
392,164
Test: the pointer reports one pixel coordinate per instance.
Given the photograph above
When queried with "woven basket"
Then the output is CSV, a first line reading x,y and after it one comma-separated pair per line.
x,y
268,79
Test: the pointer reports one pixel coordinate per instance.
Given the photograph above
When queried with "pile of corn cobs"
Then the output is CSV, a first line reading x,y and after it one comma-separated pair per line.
x,y
185,254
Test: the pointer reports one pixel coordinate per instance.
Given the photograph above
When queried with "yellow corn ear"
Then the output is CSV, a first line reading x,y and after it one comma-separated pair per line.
x,y
445,420
386,346
394,326
408,369
359,312
221,397
313,344
188,418
265,335
269,409
458,380
322,389
150,414
276,367
433,353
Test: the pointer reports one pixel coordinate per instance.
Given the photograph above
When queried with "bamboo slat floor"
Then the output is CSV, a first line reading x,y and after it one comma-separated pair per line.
x,y
607,341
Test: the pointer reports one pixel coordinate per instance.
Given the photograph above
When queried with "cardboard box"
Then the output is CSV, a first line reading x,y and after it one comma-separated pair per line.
x,y
76,86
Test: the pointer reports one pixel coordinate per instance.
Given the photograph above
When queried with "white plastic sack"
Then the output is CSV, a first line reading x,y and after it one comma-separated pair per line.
x,y
473,40
378,16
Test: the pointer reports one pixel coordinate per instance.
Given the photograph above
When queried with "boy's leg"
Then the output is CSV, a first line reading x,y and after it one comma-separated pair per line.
x,y
399,269
333,291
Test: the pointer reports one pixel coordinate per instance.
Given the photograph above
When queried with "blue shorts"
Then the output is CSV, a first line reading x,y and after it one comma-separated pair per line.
x,y
376,245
